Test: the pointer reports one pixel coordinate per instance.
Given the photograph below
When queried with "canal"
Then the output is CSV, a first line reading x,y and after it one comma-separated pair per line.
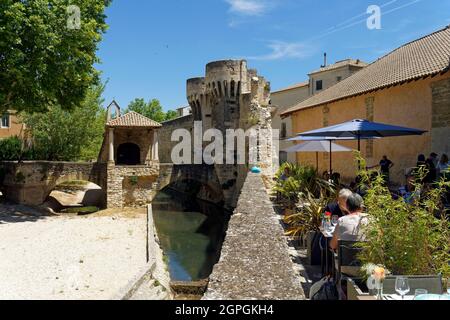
x,y
191,233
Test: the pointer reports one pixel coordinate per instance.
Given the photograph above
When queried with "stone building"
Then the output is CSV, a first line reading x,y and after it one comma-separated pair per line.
x,y
408,87
10,125
319,80
230,96
130,149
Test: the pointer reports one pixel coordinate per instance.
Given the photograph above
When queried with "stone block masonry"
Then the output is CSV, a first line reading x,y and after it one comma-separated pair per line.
x,y
255,264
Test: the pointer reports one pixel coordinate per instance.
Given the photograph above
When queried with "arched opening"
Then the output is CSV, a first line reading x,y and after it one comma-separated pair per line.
x,y
76,196
191,230
128,154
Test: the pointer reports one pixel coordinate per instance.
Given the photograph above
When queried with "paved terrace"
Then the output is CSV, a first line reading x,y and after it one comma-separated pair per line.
x,y
255,262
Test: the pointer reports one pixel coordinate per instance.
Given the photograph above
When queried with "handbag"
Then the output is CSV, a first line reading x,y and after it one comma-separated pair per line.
x,y
325,289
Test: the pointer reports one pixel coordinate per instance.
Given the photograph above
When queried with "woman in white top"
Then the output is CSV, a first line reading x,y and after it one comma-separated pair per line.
x,y
349,227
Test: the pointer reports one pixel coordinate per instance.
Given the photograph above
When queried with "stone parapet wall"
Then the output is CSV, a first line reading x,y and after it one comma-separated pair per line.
x,y
255,264
31,182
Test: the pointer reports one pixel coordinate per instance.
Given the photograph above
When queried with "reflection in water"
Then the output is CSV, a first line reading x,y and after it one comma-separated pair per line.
x,y
191,234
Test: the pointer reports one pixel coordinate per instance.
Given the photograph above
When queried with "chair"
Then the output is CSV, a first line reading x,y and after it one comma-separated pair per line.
x,y
347,264
433,284
347,258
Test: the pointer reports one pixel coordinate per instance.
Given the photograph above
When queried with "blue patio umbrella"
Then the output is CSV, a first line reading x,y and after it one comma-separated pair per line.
x,y
359,129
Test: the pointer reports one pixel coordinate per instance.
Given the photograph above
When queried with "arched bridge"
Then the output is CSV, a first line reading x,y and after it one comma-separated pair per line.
x,y
31,182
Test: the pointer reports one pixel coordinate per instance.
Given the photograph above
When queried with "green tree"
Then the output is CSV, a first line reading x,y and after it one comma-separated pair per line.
x,y
44,61
62,135
152,110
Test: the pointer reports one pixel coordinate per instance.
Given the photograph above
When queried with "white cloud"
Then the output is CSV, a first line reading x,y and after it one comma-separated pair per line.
x,y
286,50
248,7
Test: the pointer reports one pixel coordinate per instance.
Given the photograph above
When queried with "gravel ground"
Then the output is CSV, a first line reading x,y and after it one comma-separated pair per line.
x,y
75,257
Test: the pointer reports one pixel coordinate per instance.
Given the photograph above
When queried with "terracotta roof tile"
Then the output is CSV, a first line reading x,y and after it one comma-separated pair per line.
x,y
426,56
133,119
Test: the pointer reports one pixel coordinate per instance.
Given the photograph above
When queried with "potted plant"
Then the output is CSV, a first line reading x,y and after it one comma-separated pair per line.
x,y
306,223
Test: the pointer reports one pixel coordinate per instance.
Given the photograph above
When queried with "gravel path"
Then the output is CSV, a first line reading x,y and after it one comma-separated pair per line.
x,y
69,257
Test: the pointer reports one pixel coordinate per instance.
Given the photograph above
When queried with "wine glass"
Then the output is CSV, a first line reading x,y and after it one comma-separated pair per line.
x,y
402,286
334,220
420,292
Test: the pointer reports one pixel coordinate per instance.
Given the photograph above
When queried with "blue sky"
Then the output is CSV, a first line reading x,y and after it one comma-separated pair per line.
x,y
153,46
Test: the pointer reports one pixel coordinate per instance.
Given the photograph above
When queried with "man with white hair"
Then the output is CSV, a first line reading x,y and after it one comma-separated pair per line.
x,y
339,208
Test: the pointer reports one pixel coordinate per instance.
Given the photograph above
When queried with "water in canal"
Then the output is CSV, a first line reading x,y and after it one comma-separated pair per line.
x,y
191,233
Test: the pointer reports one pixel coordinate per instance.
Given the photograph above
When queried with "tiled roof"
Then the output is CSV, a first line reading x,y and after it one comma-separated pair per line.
x,y
426,56
133,119
340,64
295,86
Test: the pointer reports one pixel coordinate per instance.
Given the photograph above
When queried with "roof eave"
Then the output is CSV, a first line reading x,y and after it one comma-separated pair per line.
x,y
287,113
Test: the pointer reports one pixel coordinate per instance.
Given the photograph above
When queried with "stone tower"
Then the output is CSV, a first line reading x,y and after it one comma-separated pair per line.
x,y
231,96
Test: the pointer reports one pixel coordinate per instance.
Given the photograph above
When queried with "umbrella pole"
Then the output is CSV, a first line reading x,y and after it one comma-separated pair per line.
x,y
317,161
331,159
359,150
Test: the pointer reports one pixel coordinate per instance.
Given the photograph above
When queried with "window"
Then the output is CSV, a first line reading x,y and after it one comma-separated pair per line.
x,y
283,130
5,121
319,85
283,157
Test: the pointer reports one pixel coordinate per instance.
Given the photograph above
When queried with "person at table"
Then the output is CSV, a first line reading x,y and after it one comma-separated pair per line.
x,y
350,227
339,207
431,164
286,174
443,166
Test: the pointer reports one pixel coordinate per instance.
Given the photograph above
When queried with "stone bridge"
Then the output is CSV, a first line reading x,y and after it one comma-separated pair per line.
x,y
31,182
200,181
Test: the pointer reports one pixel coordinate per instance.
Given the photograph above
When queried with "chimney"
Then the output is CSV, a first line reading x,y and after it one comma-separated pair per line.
x,y
324,60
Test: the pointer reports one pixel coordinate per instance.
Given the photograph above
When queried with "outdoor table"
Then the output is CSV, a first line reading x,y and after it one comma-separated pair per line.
x,y
396,297
327,235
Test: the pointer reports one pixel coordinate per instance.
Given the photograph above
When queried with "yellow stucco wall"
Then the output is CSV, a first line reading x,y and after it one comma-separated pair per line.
x,y
407,105
15,128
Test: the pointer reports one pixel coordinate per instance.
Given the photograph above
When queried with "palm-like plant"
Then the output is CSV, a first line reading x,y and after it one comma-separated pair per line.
x,y
309,218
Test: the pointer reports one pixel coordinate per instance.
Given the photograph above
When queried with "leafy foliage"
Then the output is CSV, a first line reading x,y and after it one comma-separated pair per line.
x,y
43,63
152,110
61,135
408,239
309,217
302,180
10,148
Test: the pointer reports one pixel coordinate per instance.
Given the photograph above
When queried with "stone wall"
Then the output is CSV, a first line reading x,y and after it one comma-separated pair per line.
x,y
129,186
255,263
441,116
165,135
31,182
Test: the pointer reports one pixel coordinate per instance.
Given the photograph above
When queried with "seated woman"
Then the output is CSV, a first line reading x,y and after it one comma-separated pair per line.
x,y
350,227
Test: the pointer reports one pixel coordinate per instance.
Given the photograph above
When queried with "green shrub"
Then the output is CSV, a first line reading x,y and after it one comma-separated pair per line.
x,y
303,180
10,149
408,239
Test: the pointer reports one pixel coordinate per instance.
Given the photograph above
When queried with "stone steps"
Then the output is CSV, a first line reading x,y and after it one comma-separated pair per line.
x,y
150,289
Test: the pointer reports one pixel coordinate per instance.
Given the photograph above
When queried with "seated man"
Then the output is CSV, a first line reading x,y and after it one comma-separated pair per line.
x,y
339,208
350,227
